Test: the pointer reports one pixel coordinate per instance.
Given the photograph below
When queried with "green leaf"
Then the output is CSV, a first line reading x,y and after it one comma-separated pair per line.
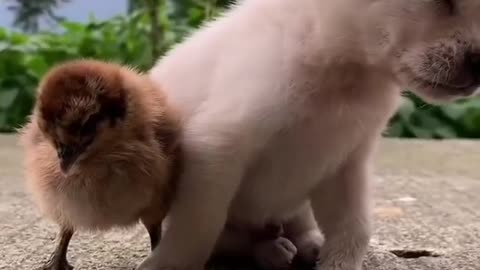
x,y
4,45
17,38
427,120
73,27
37,64
3,122
420,132
406,109
3,34
396,129
445,132
471,122
7,97
453,111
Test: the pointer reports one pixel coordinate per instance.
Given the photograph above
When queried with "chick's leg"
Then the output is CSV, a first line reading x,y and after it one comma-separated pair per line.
x,y
58,259
152,219
155,233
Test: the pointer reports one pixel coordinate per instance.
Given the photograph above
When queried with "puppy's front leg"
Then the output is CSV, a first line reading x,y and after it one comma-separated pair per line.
x,y
210,177
341,207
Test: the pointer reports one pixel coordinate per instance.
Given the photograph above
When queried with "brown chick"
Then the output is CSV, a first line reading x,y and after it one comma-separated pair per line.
x,y
100,149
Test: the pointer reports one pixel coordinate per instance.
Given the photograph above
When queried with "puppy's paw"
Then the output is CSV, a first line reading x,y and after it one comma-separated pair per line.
x,y
340,257
155,263
275,254
308,247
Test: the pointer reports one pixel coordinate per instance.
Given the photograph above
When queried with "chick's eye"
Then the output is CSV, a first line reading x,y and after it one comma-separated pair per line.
x,y
90,126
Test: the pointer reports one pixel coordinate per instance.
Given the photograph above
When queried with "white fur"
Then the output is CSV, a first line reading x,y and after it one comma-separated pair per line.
x,y
283,102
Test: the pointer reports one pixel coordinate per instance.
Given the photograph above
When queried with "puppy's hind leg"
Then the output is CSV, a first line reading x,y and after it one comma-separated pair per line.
x,y
341,207
265,246
58,259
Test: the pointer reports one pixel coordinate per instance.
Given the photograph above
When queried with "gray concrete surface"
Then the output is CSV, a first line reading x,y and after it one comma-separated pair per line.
x,y
427,203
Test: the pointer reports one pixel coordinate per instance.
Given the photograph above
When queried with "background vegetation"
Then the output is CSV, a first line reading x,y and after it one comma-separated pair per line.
x,y
149,29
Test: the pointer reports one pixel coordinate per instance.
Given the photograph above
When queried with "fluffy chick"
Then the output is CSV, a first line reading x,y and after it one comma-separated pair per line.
x,y
100,149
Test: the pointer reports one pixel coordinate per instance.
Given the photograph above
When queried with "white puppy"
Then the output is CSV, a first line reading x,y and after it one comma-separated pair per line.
x,y
284,101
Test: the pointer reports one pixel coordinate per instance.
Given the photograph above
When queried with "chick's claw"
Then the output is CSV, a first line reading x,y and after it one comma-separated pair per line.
x,y
55,264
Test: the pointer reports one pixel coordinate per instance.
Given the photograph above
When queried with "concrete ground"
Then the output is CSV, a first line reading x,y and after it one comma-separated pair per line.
x,y
427,214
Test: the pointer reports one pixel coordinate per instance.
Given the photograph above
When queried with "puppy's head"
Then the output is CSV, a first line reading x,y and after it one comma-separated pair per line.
x,y
434,45
80,102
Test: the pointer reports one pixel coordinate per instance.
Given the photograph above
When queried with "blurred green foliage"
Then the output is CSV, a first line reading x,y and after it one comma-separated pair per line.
x,y
24,59
417,119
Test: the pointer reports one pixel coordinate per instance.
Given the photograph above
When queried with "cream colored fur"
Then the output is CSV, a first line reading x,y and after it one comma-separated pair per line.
x,y
284,101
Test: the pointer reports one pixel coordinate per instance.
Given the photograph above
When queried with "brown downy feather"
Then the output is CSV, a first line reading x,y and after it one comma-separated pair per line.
x,y
99,147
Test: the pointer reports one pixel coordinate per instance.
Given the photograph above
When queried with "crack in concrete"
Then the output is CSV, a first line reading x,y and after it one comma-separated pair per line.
x,y
414,254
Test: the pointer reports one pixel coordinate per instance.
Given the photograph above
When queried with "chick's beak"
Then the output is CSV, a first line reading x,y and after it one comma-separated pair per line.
x,y
67,155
